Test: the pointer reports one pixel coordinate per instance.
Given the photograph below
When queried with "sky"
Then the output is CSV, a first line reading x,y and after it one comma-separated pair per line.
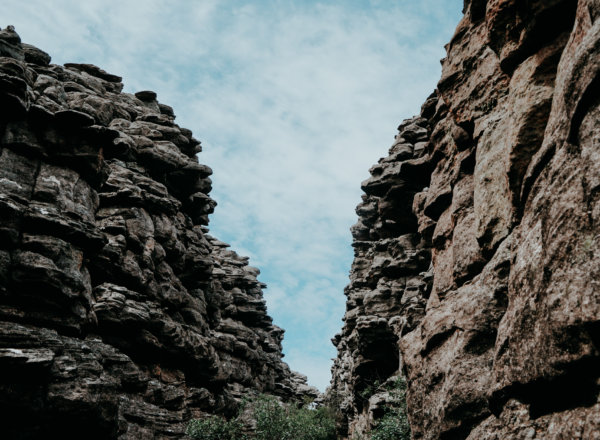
x,y
293,102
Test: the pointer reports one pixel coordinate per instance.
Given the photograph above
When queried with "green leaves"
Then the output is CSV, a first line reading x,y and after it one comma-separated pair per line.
x,y
392,426
277,422
394,423
272,420
215,428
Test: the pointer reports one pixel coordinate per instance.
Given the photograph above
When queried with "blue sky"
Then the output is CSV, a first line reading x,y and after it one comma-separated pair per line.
x,y
293,102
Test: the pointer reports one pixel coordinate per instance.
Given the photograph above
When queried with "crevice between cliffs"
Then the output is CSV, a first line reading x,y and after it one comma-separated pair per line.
x,y
472,308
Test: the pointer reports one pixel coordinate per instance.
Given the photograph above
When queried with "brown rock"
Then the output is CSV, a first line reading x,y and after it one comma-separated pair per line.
x,y
508,344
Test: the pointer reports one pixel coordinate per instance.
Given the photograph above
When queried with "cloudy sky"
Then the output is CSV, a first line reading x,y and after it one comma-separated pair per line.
x,y
292,100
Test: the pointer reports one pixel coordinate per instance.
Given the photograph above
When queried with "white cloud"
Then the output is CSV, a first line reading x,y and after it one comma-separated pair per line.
x,y
293,102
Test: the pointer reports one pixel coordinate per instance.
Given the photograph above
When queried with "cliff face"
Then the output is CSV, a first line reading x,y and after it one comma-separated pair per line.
x,y
476,251
120,317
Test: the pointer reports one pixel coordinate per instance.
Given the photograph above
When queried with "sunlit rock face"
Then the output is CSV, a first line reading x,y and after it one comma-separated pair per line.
x,y
477,267
120,317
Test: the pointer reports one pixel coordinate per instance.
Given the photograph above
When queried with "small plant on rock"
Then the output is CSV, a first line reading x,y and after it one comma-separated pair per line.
x,y
394,423
369,390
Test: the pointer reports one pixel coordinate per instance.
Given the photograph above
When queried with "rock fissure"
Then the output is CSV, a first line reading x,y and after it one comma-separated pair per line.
x,y
474,277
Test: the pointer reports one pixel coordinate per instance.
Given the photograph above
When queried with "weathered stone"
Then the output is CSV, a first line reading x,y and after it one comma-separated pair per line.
x,y
119,316
34,55
146,95
386,280
502,339
94,71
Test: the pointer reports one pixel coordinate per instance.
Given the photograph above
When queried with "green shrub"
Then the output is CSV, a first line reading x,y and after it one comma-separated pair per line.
x,y
369,390
273,422
392,426
314,424
277,422
394,423
215,428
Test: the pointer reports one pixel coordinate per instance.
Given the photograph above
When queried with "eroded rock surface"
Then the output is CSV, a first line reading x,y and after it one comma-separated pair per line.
x,y
120,316
476,263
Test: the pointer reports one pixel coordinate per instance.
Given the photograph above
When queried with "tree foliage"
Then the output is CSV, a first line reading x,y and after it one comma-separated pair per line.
x,y
394,423
215,428
272,421
277,422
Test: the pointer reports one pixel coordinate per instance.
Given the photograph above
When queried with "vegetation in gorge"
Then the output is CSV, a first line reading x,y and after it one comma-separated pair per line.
x,y
393,425
215,428
270,420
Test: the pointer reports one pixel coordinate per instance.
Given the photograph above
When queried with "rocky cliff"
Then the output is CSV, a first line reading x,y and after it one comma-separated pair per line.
x,y
476,251
120,316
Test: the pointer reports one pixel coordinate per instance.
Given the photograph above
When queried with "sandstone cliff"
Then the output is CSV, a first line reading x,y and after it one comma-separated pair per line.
x,y
120,317
476,251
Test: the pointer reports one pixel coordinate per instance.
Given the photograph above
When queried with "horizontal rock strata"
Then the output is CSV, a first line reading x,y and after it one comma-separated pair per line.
x,y
120,316
476,263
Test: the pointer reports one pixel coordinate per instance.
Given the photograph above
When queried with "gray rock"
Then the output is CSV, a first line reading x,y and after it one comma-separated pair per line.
x,y
119,316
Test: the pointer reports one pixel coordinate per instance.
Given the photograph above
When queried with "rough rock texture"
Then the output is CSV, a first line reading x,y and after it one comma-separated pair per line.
x,y
120,317
390,281
477,261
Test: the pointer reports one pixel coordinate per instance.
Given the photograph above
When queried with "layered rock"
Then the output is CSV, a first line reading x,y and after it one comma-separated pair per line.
x,y
498,337
390,280
120,317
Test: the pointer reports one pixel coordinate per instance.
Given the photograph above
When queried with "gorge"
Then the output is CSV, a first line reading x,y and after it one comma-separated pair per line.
x,y
475,274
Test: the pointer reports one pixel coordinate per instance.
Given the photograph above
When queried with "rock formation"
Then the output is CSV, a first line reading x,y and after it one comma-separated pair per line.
x,y
120,317
476,251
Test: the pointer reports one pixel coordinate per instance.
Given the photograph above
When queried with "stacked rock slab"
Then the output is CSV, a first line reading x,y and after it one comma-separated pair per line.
x,y
120,317
500,337
390,281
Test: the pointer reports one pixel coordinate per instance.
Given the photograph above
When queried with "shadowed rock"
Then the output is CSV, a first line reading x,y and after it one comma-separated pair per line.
x,y
120,317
